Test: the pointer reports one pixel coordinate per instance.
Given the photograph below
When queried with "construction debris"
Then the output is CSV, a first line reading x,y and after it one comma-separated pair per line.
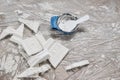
x,y
77,64
40,38
6,32
38,58
9,31
57,52
39,50
33,25
18,39
31,45
34,70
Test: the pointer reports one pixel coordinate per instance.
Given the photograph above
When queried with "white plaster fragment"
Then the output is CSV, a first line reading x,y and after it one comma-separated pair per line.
x,y
77,64
49,43
6,32
34,70
57,52
28,77
31,45
19,12
70,25
40,38
38,58
31,24
10,31
18,39
20,30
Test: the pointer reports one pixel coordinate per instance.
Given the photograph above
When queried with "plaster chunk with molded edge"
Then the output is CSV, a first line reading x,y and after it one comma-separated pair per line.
x,y
31,24
57,52
6,32
31,45
34,70
38,58
40,38
18,39
77,64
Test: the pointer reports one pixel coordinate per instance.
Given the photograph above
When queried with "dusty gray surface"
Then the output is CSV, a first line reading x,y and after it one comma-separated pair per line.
x,y
98,41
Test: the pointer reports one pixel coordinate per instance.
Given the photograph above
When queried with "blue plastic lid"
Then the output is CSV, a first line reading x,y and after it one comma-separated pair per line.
x,y
54,24
54,20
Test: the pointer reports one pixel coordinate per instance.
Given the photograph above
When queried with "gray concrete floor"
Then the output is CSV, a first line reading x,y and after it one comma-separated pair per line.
x,y
98,39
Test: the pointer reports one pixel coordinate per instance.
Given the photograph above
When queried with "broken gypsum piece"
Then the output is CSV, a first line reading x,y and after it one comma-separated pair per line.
x,y
31,24
6,32
38,58
34,70
19,12
30,77
57,52
18,39
11,31
20,30
40,38
34,76
77,64
49,43
31,45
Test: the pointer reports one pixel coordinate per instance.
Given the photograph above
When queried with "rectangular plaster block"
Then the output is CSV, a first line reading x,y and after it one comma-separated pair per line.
x,y
57,52
77,64
16,39
40,38
31,45
38,58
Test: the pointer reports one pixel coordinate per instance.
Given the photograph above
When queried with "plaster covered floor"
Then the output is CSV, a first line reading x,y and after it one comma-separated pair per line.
x,y
98,40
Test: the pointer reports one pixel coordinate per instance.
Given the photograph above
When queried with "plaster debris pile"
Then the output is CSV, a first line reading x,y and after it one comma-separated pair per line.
x,y
38,49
